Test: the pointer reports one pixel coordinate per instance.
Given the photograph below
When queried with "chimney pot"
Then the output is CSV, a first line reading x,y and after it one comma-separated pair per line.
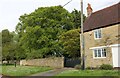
x,y
89,10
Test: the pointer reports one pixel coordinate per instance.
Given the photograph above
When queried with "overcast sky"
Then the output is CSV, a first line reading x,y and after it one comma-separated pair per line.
x,y
11,10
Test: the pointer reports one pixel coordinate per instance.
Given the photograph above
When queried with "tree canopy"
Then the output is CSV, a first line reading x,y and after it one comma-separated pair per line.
x,y
6,44
39,32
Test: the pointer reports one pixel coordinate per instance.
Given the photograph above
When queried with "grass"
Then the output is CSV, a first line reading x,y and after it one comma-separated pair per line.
x,y
22,70
90,73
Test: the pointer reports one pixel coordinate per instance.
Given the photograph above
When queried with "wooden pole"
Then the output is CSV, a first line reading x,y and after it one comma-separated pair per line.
x,y
82,39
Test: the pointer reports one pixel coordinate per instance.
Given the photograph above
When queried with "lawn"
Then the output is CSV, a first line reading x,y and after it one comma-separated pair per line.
x,y
90,73
22,70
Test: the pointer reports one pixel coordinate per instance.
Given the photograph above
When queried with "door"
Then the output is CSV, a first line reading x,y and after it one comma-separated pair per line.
x,y
116,55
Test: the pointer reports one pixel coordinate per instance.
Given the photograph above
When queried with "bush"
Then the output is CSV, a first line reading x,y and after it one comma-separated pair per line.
x,y
90,68
106,67
77,67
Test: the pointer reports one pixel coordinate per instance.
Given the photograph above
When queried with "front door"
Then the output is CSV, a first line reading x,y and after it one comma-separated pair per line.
x,y
116,55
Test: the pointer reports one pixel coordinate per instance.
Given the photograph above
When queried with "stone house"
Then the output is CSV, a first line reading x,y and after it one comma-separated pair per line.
x,y
102,36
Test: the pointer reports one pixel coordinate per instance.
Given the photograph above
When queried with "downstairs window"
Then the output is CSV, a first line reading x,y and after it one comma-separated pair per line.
x,y
99,53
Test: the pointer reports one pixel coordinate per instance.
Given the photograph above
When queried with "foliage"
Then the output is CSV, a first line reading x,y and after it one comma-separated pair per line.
x,y
106,67
18,50
0,46
77,18
7,45
89,68
39,31
78,67
10,47
0,40
71,43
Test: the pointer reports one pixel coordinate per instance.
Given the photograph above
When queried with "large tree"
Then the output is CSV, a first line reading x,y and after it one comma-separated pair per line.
x,y
39,30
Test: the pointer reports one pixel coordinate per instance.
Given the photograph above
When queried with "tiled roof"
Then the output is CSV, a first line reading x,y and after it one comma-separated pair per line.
x,y
102,18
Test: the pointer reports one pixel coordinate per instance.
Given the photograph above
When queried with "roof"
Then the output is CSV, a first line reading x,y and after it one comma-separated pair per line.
x,y
103,18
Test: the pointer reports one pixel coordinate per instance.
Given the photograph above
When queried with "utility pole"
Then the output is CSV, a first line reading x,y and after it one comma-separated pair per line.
x,y
82,39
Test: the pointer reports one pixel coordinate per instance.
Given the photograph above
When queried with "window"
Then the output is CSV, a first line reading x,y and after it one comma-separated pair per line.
x,y
99,53
97,34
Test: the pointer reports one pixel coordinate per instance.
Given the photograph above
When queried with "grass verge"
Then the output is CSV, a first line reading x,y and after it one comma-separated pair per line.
x,y
22,70
90,73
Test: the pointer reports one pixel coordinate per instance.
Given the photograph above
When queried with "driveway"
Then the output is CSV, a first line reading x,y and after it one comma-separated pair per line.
x,y
52,72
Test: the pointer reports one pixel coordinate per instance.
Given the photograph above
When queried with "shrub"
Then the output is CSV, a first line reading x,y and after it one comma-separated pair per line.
x,y
77,66
89,68
106,67
92,68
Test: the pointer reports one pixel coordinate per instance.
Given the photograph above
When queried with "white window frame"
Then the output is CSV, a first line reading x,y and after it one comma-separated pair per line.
x,y
101,52
99,34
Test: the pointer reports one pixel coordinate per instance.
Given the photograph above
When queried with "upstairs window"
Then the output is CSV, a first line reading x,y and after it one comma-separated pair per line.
x,y
97,34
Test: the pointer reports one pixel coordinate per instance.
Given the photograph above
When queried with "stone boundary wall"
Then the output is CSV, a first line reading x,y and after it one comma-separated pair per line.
x,y
56,62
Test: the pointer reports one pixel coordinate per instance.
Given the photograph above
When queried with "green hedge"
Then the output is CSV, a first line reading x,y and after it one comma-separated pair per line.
x,y
106,67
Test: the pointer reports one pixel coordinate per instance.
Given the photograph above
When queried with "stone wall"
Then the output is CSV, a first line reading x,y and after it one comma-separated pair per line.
x,y
112,32
56,62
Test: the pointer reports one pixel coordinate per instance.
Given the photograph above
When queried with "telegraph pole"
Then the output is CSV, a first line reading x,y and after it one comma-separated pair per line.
x,y
82,39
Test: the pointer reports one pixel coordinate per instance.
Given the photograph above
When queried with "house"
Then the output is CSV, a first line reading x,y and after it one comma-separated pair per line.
x,y
102,37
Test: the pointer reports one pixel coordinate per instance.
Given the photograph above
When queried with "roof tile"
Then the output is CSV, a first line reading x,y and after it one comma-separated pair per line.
x,y
102,18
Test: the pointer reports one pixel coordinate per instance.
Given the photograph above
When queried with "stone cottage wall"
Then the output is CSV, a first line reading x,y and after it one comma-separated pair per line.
x,y
112,32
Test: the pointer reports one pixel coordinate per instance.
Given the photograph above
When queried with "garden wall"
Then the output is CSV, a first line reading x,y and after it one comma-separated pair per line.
x,y
56,62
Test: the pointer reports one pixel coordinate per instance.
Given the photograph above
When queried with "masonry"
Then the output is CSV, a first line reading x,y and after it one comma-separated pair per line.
x,y
102,37
55,62
109,32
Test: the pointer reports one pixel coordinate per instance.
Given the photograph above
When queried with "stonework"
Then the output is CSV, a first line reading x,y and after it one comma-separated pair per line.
x,y
109,37
56,62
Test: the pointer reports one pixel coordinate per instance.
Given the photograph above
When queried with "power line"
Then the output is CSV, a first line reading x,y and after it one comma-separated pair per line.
x,y
67,3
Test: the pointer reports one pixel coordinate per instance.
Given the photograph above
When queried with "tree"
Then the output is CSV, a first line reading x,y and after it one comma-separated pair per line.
x,y
19,52
0,39
39,31
7,45
70,41
77,18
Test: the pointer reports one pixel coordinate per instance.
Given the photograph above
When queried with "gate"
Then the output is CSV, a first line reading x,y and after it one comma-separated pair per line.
x,y
71,62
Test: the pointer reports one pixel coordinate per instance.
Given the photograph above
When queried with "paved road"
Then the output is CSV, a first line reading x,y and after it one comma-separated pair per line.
x,y
52,72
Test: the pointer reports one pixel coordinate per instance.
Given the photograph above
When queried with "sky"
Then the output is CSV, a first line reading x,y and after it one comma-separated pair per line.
x,y
11,10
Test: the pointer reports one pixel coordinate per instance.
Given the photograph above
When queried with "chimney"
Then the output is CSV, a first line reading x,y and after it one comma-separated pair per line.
x,y
89,10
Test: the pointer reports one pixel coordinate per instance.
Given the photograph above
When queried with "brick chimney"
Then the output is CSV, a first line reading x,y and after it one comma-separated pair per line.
x,y
89,10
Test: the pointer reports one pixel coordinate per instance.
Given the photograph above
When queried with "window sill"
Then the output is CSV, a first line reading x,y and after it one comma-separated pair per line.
x,y
97,38
99,57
